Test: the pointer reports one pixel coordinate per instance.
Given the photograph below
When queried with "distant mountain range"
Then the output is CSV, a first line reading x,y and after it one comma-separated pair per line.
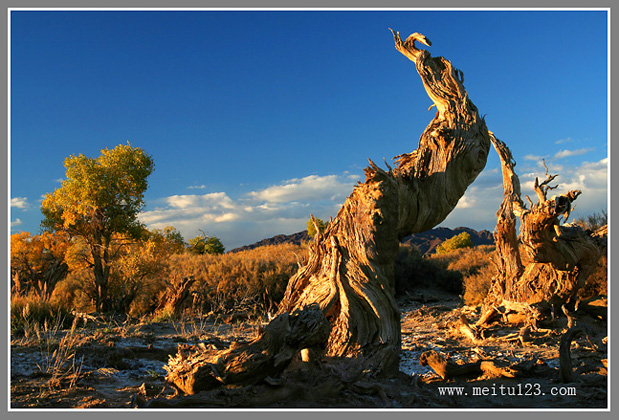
x,y
425,242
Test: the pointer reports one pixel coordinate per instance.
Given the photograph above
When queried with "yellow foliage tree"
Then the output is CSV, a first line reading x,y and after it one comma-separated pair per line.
x,y
100,198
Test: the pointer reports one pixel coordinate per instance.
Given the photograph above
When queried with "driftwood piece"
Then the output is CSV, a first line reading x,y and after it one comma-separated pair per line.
x,y
177,296
447,369
596,306
493,369
470,331
267,355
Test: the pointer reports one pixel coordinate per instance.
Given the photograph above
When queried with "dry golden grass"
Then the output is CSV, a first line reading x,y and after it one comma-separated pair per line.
x,y
28,311
256,278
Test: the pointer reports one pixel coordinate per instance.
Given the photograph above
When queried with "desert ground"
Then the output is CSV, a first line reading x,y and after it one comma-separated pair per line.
x,y
118,364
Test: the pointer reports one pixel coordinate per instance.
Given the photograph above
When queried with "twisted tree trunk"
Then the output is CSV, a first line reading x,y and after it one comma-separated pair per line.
x,y
559,257
350,272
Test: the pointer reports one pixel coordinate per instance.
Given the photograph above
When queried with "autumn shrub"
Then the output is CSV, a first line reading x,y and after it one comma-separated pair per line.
x,y
476,286
73,291
38,262
477,269
254,279
467,261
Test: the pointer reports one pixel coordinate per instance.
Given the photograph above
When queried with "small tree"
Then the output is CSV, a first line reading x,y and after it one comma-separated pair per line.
x,y
462,240
101,197
311,227
204,244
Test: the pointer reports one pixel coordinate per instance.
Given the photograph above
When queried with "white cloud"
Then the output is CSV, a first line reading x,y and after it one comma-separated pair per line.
x,y
568,153
16,222
285,208
310,188
567,140
282,208
19,202
197,187
477,208
535,158
182,201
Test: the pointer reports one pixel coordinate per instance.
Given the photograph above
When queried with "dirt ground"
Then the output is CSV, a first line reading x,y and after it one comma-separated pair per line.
x,y
114,364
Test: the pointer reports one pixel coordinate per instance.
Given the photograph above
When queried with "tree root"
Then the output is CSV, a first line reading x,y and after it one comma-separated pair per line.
x,y
250,363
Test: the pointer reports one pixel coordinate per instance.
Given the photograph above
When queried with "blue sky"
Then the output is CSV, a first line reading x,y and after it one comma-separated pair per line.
x,y
255,119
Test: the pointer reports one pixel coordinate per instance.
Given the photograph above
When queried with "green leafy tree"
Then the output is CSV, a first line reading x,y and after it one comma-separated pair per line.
x,y
462,240
100,198
204,244
311,228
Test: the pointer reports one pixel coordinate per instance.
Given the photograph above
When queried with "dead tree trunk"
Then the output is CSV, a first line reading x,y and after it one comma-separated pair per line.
x,y
350,271
267,355
559,258
176,297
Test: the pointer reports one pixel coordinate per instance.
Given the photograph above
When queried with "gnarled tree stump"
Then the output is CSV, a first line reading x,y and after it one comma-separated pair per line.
x,y
267,355
350,271
559,257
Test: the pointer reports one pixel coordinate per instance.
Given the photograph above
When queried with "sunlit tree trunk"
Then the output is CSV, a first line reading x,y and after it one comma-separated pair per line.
x,y
559,258
350,272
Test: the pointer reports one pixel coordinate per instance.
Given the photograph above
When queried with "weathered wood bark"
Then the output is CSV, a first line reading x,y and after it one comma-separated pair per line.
x,y
566,373
267,355
350,270
559,257
177,296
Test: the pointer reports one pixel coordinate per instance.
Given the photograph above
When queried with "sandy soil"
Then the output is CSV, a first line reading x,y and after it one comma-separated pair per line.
x,y
113,364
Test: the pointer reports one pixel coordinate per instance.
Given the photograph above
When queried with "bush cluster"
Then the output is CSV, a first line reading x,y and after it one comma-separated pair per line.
x,y
463,271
